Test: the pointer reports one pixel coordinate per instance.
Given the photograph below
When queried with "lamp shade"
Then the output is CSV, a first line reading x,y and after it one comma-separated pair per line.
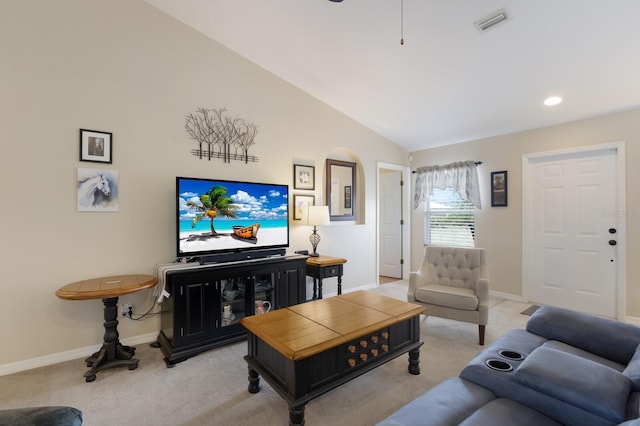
x,y
318,215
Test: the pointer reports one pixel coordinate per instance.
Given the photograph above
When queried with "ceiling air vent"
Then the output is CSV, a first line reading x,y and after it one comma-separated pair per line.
x,y
491,21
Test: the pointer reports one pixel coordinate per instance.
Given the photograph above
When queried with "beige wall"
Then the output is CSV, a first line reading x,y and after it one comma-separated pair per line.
x,y
124,67
499,229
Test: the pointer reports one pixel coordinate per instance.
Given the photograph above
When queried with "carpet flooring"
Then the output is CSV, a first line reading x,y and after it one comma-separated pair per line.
x,y
211,388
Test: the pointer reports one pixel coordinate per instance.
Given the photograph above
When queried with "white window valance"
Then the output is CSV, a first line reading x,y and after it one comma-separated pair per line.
x,y
461,176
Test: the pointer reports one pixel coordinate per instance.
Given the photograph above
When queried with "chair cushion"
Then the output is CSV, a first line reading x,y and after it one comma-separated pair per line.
x,y
442,295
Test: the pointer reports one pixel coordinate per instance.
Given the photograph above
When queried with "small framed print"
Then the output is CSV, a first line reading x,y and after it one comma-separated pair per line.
x,y
304,177
300,201
95,146
347,197
499,189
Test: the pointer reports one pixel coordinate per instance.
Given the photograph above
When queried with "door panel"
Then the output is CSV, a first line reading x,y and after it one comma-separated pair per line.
x,y
390,224
572,263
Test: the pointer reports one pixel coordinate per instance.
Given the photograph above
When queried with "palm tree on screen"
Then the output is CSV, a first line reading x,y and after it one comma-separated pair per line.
x,y
213,204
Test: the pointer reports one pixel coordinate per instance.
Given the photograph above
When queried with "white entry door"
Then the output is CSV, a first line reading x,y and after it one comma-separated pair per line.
x,y
390,224
572,231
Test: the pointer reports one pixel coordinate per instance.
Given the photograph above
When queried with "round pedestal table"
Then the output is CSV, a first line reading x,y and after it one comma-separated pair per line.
x,y
112,353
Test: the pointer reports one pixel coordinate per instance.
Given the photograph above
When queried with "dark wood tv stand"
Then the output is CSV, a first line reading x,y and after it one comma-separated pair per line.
x,y
207,302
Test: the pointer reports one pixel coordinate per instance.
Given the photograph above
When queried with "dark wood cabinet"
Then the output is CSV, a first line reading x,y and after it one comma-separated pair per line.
x,y
207,302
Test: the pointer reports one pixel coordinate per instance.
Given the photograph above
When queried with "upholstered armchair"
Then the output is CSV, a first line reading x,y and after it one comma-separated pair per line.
x,y
453,283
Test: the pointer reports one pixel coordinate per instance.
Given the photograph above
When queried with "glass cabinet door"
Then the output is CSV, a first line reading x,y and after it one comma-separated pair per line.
x,y
233,300
264,292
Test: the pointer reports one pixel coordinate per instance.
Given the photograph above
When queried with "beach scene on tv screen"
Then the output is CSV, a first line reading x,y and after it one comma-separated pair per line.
x,y
223,215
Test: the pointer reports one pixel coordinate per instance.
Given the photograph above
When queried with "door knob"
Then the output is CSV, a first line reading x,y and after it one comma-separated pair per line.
x,y
612,242
612,230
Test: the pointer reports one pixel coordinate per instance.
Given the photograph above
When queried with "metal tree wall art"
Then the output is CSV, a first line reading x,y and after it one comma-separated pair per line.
x,y
221,136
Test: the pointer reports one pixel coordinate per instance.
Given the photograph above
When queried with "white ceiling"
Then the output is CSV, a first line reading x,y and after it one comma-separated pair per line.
x,y
449,82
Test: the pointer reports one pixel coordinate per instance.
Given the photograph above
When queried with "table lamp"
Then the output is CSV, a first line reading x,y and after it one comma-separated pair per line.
x,y
316,216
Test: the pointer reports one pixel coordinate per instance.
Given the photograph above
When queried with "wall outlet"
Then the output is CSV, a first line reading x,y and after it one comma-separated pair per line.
x,y
126,309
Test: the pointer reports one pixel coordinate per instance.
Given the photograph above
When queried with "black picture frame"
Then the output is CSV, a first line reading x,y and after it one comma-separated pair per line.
x,y
298,201
347,197
96,146
304,177
499,189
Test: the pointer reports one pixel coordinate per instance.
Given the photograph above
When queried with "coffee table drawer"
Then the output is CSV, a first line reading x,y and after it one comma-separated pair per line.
x,y
366,348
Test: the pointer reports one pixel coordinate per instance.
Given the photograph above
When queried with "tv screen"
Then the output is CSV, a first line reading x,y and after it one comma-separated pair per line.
x,y
218,216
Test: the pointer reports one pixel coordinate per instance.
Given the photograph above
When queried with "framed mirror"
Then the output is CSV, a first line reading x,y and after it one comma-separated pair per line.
x,y
341,189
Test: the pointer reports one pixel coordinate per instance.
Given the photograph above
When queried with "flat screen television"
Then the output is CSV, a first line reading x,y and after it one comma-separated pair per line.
x,y
217,217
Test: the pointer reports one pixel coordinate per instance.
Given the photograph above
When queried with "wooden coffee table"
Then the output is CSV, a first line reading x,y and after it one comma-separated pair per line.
x,y
306,350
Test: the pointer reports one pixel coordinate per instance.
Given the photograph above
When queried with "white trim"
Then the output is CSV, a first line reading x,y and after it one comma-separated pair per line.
x,y
507,296
633,320
621,235
406,215
43,361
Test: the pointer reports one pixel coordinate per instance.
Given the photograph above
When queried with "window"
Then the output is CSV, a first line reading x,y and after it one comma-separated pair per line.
x,y
449,220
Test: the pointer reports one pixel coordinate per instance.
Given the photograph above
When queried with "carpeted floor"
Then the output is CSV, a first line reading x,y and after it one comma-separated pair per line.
x,y
211,388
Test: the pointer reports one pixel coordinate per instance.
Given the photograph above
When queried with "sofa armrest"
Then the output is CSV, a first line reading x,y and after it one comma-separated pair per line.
x,y
604,337
564,376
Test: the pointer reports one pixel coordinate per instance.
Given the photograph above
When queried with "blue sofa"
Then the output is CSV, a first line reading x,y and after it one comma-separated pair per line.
x,y
566,368
41,416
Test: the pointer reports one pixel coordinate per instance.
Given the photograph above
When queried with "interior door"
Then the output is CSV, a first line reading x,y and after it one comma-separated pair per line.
x,y
390,226
573,231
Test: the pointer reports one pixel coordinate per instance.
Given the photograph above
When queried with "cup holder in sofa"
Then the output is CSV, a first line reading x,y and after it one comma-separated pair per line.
x,y
512,355
498,365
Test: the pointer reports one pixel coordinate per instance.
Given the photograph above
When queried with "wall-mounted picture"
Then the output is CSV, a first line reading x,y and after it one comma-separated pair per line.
x,y
97,190
300,201
304,177
95,146
499,189
347,197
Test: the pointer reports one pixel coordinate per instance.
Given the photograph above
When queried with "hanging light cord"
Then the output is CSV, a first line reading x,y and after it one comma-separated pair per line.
x,y
402,22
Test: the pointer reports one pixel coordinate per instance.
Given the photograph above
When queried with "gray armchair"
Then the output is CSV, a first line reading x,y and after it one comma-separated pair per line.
x,y
453,283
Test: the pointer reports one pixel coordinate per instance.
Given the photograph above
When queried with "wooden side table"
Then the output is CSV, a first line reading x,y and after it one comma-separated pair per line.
x,y
321,267
112,353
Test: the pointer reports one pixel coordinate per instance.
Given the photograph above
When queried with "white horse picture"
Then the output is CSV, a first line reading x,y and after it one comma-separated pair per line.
x,y
97,190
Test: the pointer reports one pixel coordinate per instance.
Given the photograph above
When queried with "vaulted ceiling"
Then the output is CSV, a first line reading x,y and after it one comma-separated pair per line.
x,y
449,82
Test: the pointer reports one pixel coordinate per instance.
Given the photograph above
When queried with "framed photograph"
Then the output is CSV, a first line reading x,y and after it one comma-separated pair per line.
x,y
347,197
97,190
95,146
299,201
499,189
304,177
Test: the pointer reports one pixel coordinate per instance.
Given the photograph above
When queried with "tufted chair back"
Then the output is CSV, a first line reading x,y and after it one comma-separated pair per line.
x,y
456,267
453,282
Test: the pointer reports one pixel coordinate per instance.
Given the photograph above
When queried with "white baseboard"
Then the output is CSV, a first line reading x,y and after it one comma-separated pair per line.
x,y
632,320
351,290
507,296
43,361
